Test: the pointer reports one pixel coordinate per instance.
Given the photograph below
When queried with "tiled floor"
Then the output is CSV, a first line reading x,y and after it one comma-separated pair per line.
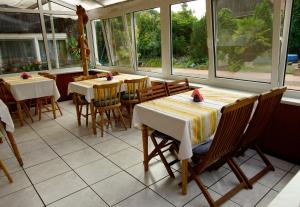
x,y
65,165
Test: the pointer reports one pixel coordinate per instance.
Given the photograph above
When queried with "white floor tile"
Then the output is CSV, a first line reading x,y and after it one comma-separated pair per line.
x,y
156,172
26,136
46,170
127,158
12,165
20,181
81,157
117,188
267,199
110,147
145,198
295,169
169,189
96,139
58,137
280,185
96,171
201,201
248,198
83,198
38,156
31,145
282,164
24,198
59,187
67,147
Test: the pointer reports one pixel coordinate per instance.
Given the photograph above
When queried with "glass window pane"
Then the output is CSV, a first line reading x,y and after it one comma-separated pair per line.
x,y
51,6
148,40
100,48
19,43
23,4
119,41
62,44
292,77
189,39
244,39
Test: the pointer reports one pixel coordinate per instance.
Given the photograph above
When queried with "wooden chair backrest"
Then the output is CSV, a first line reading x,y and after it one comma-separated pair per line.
x,y
178,86
107,94
101,75
233,122
132,86
150,93
267,103
5,93
82,77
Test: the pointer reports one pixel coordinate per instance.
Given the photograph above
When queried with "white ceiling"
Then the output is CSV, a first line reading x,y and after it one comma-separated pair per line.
x,y
32,4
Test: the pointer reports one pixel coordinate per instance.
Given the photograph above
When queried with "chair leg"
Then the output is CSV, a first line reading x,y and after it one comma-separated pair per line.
x,y
20,113
162,157
53,107
130,115
27,112
93,115
56,103
39,107
14,147
122,119
239,173
202,187
101,122
114,115
87,115
6,172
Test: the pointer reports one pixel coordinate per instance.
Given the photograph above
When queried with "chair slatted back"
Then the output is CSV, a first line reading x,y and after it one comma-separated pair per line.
x,y
82,77
150,93
267,103
233,122
132,86
5,93
178,86
107,94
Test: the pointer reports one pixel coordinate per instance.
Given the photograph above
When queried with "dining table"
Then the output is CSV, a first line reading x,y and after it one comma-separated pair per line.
x,y
34,87
191,123
85,88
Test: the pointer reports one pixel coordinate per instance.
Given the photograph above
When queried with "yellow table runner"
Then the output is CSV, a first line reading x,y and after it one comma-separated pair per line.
x,y
203,116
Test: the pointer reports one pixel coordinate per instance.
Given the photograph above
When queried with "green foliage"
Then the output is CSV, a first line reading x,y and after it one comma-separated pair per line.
x,y
244,39
72,47
294,38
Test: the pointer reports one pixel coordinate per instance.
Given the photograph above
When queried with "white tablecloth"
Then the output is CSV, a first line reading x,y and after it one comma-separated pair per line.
x,y
5,117
86,87
181,127
34,87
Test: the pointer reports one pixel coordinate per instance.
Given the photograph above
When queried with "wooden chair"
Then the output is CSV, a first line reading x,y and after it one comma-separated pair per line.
x,y
166,142
233,122
107,99
12,104
44,102
178,86
129,98
267,103
81,102
2,167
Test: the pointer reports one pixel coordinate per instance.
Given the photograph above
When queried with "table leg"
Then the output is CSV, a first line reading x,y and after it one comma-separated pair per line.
x,y
93,117
145,146
20,113
77,109
184,176
14,147
53,107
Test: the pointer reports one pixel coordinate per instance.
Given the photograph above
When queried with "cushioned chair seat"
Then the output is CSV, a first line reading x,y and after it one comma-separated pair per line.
x,y
126,96
105,102
202,148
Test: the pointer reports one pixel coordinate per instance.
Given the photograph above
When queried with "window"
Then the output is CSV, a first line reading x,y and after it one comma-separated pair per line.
x,y
19,46
100,46
189,39
148,40
244,39
119,41
292,77
62,42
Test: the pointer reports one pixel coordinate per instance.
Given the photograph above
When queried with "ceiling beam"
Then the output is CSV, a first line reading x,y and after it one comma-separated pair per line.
x,y
100,2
